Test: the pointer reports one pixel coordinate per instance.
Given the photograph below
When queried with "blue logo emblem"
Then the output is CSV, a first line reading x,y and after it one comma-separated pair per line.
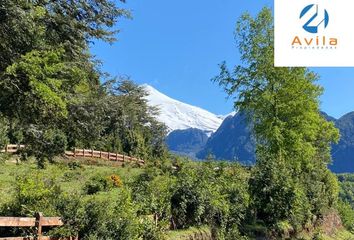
x,y
317,18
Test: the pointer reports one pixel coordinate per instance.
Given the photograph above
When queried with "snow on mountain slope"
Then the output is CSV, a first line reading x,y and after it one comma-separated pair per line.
x,y
223,117
179,115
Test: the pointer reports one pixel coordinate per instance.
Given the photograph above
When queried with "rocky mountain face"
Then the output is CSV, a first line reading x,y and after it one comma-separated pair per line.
x,y
187,141
232,141
343,152
198,133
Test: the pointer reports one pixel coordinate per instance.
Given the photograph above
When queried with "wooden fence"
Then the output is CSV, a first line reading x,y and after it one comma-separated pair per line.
x,y
38,222
12,148
86,153
103,155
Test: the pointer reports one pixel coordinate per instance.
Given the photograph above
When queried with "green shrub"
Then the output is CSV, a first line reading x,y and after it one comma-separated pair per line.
x,y
45,144
97,184
210,194
75,165
346,213
4,157
107,218
100,183
150,231
153,190
34,193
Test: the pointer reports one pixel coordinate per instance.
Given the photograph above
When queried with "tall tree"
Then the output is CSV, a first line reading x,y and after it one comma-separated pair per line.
x,y
290,181
120,120
37,34
26,25
45,64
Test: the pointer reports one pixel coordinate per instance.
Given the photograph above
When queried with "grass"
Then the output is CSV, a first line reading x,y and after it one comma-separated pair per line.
x,y
340,235
71,179
198,233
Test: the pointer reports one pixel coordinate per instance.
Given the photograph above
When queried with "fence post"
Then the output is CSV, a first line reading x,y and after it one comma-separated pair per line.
x,y
74,152
6,148
100,154
39,219
109,156
92,153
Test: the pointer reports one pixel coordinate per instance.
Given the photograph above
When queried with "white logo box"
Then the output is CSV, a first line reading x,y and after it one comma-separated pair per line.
x,y
331,46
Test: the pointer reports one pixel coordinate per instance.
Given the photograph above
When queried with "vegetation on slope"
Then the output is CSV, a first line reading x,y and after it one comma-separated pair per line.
x,y
99,200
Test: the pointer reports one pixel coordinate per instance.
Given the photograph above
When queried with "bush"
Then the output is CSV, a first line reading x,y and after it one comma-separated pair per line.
x,y
100,183
346,213
210,194
74,165
34,193
102,216
150,231
153,190
4,157
97,184
116,181
45,144
99,217
109,218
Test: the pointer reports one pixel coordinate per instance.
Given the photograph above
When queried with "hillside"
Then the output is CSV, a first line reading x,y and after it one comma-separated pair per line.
x,y
96,187
186,142
232,141
343,152
198,133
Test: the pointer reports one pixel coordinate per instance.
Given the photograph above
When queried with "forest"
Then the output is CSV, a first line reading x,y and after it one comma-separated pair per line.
x,y
55,97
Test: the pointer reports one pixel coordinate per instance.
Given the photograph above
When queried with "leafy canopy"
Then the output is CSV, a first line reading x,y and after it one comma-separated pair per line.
x,y
291,181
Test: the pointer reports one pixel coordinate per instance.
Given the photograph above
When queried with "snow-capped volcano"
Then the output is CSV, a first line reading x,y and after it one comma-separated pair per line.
x,y
179,115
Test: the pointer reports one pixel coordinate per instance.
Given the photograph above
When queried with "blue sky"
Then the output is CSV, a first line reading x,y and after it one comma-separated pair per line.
x,y
176,47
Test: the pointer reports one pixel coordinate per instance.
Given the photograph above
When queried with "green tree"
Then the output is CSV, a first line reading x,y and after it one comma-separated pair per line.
x,y
46,69
290,181
39,87
118,120
37,25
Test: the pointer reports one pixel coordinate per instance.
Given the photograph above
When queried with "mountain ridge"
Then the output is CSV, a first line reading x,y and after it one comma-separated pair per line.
x,y
198,133
178,115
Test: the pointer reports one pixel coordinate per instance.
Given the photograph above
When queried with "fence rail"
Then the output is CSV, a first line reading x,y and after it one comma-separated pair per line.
x,y
103,155
39,221
86,153
12,148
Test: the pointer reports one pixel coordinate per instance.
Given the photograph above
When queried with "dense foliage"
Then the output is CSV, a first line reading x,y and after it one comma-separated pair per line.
x,y
144,207
346,204
99,202
290,183
51,97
